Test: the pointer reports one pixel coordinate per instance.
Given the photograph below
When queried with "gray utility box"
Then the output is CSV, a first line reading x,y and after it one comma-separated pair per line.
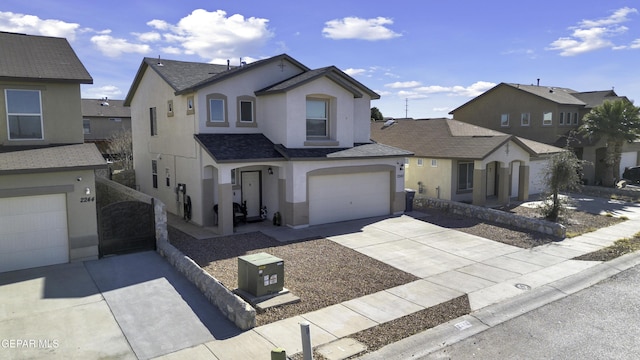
x,y
260,274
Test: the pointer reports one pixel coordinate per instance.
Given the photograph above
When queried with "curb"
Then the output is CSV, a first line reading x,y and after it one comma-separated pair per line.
x,y
453,331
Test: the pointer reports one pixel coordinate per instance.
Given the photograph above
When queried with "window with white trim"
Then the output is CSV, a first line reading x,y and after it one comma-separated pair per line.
x,y
575,118
420,161
525,119
317,118
217,110
547,118
24,114
86,126
434,162
561,118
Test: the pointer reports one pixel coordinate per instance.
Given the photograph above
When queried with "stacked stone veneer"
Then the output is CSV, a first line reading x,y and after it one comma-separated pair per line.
x,y
488,214
231,305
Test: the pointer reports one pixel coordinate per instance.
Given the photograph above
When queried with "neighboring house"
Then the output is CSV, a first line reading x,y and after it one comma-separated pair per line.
x,y
272,134
548,115
461,162
102,118
47,187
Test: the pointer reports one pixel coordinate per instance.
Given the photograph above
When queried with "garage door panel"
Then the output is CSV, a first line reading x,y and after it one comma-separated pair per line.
x,y
335,198
33,231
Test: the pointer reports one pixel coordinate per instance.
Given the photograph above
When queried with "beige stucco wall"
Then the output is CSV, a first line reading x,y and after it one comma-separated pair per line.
x,y
436,180
61,113
81,216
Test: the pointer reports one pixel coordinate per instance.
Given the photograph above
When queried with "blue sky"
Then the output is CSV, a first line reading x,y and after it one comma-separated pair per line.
x,y
424,58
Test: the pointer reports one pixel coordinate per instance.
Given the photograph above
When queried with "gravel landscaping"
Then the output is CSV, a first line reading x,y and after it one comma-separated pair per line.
x,y
324,273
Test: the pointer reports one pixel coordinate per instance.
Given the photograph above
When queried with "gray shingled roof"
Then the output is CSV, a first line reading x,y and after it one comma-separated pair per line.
x,y
597,98
181,75
368,150
257,147
238,147
556,94
95,108
40,58
331,72
67,157
448,139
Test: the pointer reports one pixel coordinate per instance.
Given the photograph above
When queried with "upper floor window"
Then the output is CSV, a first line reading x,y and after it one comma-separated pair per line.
x,y
153,121
86,126
24,114
525,119
420,161
154,173
575,118
246,111
191,108
170,108
217,110
504,120
547,118
434,162
561,118
317,118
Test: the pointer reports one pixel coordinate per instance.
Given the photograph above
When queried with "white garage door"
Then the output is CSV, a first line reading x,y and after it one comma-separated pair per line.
x,y
334,198
33,231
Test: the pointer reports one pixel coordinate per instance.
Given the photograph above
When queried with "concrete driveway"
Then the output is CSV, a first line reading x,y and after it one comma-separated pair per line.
x,y
125,307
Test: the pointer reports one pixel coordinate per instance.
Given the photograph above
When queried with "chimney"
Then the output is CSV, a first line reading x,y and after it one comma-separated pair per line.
x,y
538,82
228,64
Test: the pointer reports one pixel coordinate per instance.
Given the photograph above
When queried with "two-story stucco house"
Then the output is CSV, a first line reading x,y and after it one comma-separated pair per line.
x,y
103,118
545,114
272,134
47,187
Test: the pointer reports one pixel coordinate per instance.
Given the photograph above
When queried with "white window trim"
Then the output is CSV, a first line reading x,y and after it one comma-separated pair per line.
x,y
326,119
434,162
6,101
547,122
420,161
86,130
522,119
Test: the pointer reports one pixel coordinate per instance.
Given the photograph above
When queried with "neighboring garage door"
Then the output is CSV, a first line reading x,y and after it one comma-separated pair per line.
x,y
33,231
334,198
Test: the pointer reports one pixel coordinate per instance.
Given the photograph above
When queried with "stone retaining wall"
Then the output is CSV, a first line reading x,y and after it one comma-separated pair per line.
x,y
493,215
231,305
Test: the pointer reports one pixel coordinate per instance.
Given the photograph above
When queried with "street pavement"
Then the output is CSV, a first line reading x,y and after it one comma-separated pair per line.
x,y
142,308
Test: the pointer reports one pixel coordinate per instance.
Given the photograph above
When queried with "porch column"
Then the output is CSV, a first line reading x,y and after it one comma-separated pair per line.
x,y
503,185
225,209
523,183
479,186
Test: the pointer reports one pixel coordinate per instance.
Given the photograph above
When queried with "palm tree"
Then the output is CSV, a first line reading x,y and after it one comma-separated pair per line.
x,y
616,122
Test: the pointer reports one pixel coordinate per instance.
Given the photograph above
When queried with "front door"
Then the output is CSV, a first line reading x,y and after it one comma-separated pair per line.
x,y
251,192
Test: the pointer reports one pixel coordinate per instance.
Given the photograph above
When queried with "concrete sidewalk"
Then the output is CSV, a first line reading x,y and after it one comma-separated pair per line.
x,y
450,263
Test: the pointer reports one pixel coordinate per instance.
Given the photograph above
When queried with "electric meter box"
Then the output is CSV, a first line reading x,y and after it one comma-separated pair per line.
x,y
260,274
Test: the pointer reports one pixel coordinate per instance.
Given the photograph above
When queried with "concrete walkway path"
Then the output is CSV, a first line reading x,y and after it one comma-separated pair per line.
x,y
450,263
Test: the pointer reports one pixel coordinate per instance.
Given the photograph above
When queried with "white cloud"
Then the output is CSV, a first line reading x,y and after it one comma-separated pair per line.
x,y
357,28
355,72
33,25
619,16
150,36
591,35
415,91
109,91
442,109
403,84
114,47
213,35
171,50
635,44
